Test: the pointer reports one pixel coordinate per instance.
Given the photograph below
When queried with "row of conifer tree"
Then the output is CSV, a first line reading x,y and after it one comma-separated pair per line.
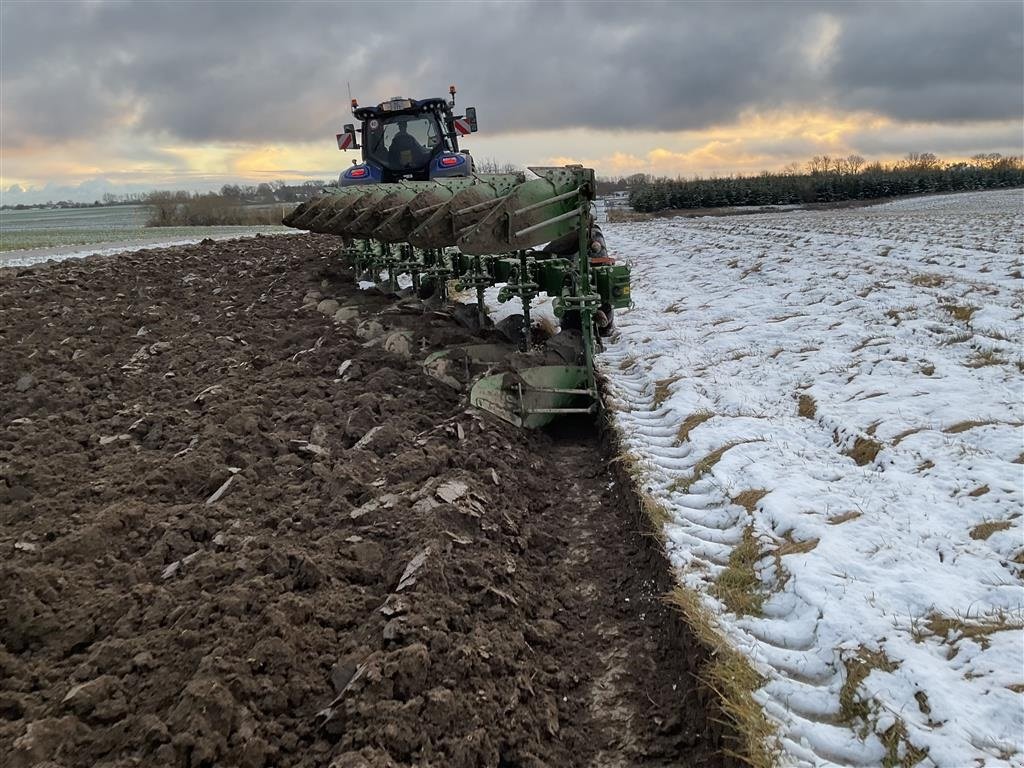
x,y
827,180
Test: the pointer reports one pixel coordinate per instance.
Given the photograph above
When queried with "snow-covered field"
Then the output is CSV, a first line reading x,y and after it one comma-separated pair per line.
x,y
829,405
30,256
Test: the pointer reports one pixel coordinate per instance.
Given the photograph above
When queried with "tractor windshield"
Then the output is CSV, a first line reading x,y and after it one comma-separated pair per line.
x,y
403,143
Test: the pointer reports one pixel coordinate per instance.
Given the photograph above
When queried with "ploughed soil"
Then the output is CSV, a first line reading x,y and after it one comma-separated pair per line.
x,y
237,531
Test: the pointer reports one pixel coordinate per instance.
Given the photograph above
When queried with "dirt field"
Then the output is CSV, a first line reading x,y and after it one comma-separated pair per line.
x,y
238,533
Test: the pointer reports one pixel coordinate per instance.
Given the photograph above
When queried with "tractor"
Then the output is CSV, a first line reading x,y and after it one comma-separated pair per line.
x,y
408,139
416,206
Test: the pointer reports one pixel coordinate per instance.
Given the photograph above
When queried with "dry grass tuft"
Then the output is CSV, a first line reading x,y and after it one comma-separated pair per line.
x,y
749,498
905,434
791,547
856,710
627,362
657,514
897,314
690,423
661,389
732,677
738,586
807,407
961,312
984,530
704,466
864,450
899,752
853,707
864,343
963,426
957,338
928,280
953,629
981,490
619,215
845,517
1019,459
980,359
751,270
632,464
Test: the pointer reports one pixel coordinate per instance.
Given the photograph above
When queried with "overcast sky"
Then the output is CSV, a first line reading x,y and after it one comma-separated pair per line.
x,y
180,94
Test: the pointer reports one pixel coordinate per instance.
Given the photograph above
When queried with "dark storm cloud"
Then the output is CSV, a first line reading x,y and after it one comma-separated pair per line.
x,y
949,61
233,71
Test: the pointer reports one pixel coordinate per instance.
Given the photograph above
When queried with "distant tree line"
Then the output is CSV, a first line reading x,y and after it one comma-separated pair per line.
x,y
134,198
210,209
240,194
272,192
825,179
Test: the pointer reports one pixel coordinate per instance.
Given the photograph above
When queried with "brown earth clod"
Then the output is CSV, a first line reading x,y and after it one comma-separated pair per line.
x,y
214,555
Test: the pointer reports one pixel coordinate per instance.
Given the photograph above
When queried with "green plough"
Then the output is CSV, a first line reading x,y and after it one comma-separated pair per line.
x,y
481,231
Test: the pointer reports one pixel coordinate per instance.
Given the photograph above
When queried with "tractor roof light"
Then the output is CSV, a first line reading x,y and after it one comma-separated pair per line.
x,y
395,104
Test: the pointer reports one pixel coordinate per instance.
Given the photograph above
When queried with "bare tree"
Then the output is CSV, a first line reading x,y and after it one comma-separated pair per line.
x,y
922,160
817,164
989,160
490,165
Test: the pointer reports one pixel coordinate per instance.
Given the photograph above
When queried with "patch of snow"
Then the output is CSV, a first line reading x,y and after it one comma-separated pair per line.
x,y
542,311
890,521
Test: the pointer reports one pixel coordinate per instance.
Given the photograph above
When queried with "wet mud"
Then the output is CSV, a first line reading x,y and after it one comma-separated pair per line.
x,y
240,526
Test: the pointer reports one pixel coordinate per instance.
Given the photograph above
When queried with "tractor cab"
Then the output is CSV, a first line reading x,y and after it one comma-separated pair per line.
x,y
415,139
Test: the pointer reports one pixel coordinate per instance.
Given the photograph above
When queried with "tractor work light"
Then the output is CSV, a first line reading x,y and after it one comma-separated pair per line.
x,y
396,105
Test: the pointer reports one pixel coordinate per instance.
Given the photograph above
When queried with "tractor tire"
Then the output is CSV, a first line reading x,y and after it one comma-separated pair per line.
x,y
605,318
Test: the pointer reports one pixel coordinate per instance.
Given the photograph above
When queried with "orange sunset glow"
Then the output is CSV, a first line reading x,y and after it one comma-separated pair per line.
x,y
672,90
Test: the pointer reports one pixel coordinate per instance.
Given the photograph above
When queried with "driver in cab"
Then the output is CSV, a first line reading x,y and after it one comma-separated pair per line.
x,y
405,150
